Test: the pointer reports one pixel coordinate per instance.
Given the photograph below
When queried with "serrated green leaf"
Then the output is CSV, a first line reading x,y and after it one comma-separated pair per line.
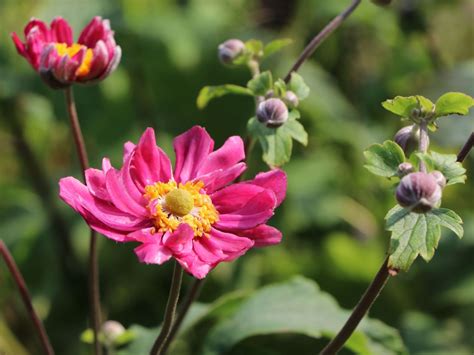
x,y
384,159
261,84
275,46
209,93
296,130
416,234
453,103
298,86
404,105
298,306
276,143
452,170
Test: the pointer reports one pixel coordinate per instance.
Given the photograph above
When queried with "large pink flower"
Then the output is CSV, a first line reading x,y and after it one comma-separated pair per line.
x,y
60,61
193,214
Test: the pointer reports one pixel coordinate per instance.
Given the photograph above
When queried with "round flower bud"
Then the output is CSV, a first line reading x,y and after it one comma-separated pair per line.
x,y
111,330
272,112
405,169
440,179
408,138
418,191
291,99
230,50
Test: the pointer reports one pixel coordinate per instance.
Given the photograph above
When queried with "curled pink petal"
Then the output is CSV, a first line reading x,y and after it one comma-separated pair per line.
x,y
152,253
61,32
181,240
274,180
263,235
231,152
220,178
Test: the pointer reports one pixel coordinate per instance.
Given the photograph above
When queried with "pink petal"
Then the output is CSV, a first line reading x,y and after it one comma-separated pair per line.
x,y
152,253
94,223
256,211
95,181
61,32
128,147
120,195
229,245
99,63
95,30
192,149
274,180
38,25
35,44
76,195
149,163
20,47
180,242
146,235
222,177
234,197
194,266
231,152
263,235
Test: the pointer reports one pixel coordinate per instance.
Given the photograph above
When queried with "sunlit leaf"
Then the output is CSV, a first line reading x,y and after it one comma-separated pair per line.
x,y
298,86
453,103
275,46
261,84
447,164
384,159
209,93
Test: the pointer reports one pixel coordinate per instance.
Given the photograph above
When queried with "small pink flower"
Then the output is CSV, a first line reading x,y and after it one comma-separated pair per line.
x,y
62,62
193,214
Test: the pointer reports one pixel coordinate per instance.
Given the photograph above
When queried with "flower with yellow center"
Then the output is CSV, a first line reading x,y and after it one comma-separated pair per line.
x,y
171,204
71,51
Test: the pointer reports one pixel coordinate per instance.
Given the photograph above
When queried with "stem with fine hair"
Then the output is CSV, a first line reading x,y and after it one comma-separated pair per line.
x,y
25,295
159,346
321,36
424,143
94,292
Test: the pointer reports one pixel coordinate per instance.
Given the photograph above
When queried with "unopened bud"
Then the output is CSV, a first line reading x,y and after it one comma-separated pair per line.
x,y
418,191
111,330
230,50
272,112
291,99
405,169
408,138
440,179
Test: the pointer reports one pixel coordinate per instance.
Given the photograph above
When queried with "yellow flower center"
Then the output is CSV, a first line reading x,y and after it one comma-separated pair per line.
x,y
71,51
171,204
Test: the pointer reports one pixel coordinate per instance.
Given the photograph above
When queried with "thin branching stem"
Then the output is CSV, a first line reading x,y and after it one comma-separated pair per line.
x,y
94,292
466,148
25,296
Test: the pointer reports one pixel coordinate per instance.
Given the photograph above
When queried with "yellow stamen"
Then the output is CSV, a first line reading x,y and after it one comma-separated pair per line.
x,y
71,51
171,204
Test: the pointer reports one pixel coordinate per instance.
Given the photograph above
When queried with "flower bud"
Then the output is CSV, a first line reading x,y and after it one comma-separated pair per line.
x,y
230,50
272,112
291,99
405,169
111,330
440,179
418,191
408,138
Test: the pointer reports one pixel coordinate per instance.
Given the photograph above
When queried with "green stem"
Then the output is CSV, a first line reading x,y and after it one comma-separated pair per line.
x,y
159,347
94,292
424,143
25,295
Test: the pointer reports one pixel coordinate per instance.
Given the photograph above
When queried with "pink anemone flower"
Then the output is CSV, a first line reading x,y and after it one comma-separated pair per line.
x,y
194,214
60,61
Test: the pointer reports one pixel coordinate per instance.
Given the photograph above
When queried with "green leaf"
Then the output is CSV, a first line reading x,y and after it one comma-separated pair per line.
x,y
453,103
275,46
279,88
209,93
404,105
298,86
276,143
298,306
254,47
384,159
447,164
261,84
416,234
296,130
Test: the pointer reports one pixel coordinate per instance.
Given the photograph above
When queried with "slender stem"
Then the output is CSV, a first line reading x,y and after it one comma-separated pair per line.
x,y
466,148
160,342
25,295
94,291
424,143
321,36
366,301
191,296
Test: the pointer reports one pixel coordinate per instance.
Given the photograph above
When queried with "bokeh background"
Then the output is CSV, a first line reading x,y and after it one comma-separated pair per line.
x,y
333,216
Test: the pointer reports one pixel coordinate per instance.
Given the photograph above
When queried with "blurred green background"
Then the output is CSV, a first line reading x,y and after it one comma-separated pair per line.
x,y
332,219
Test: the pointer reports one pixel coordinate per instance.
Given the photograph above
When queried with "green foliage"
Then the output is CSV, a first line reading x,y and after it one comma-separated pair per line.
x,y
384,159
297,306
453,103
209,93
416,234
298,86
275,46
277,143
452,170
404,106
261,84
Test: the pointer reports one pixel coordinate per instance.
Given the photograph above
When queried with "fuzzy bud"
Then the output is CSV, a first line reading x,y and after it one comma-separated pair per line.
x,y
272,112
111,330
419,191
440,179
408,138
230,50
291,99
405,169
